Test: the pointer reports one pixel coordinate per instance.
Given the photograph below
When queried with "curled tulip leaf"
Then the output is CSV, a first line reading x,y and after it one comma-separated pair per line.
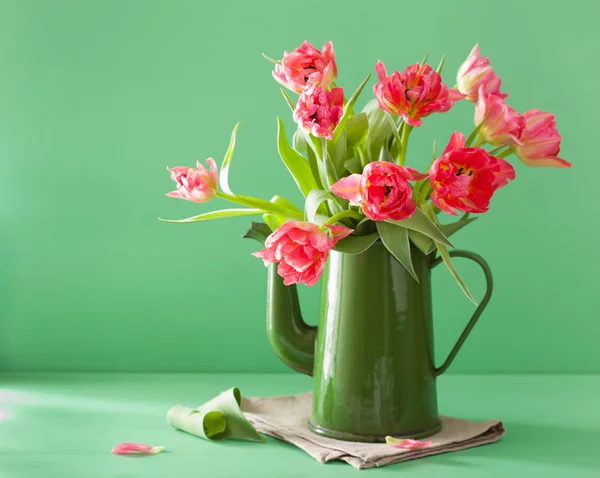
x,y
218,419
224,176
420,222
131,448
406,443
448,261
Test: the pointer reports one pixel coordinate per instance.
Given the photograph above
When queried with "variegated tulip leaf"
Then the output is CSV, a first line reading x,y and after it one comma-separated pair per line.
x,y
315,198
296,163
218,419
448,261
356,244
421,223
223,213
395,239
348,109
224,173
259,231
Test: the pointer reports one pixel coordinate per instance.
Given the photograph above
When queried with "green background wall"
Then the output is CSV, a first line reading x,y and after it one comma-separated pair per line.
x,y
97,98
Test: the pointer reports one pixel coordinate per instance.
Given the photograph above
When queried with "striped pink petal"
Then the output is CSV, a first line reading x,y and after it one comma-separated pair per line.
x,y
130,448
406,443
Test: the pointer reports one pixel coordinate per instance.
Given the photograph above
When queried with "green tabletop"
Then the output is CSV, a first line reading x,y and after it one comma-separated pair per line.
x,y
64,425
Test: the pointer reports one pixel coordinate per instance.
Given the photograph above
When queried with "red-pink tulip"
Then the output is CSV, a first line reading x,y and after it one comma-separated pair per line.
x,y
413,94
466,178
319,111
541,141
129,448
307,65
406,443
503,124
196,185
301,249
382,190
475,73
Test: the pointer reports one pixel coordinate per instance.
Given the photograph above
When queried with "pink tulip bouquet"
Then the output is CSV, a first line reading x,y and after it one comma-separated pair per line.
x,y
350,165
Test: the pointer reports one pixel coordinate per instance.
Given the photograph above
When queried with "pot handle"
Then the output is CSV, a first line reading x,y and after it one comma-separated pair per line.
x,y
488,293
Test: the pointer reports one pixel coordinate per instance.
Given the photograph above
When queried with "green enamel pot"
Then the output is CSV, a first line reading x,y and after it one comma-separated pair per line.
x,y
372,355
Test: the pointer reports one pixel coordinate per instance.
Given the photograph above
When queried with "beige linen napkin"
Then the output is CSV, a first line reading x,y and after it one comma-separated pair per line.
x,y
285,418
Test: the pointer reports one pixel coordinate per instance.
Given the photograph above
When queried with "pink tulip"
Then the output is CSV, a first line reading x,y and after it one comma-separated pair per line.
x,y
319,111
382,190
503,124
129,448
465,179
413,94
307,65
475,73
301,249
541,141
406,443
196,185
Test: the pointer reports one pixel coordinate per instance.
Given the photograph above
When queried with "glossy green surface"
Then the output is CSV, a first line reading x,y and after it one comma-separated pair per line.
x,y
375,370
98,97
64,426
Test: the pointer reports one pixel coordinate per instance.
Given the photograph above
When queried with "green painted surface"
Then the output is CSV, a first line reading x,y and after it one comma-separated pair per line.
x,y
63,426
97,98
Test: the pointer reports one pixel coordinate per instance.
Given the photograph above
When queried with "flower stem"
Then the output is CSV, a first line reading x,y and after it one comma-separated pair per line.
x,y
262,204
506,153
343,215
425,188
406,129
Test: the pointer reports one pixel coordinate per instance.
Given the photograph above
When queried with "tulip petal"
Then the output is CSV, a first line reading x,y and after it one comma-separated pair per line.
x,y
457,141
131,448
339,232
406,443
348,188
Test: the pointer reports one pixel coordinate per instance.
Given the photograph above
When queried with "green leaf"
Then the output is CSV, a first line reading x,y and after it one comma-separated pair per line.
x,y
348,109
421,223
356,244
288,100
285,203
441,65
357,128
353,165
273,220
223,213
395,239
295,162
224,173
277,62
448,261
315,168
218,419
313,201
337,153
380,130
259,231
422,242
475,132
449,229
394,128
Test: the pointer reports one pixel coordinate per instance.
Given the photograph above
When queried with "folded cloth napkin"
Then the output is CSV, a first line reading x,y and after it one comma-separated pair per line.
x,y
285,418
